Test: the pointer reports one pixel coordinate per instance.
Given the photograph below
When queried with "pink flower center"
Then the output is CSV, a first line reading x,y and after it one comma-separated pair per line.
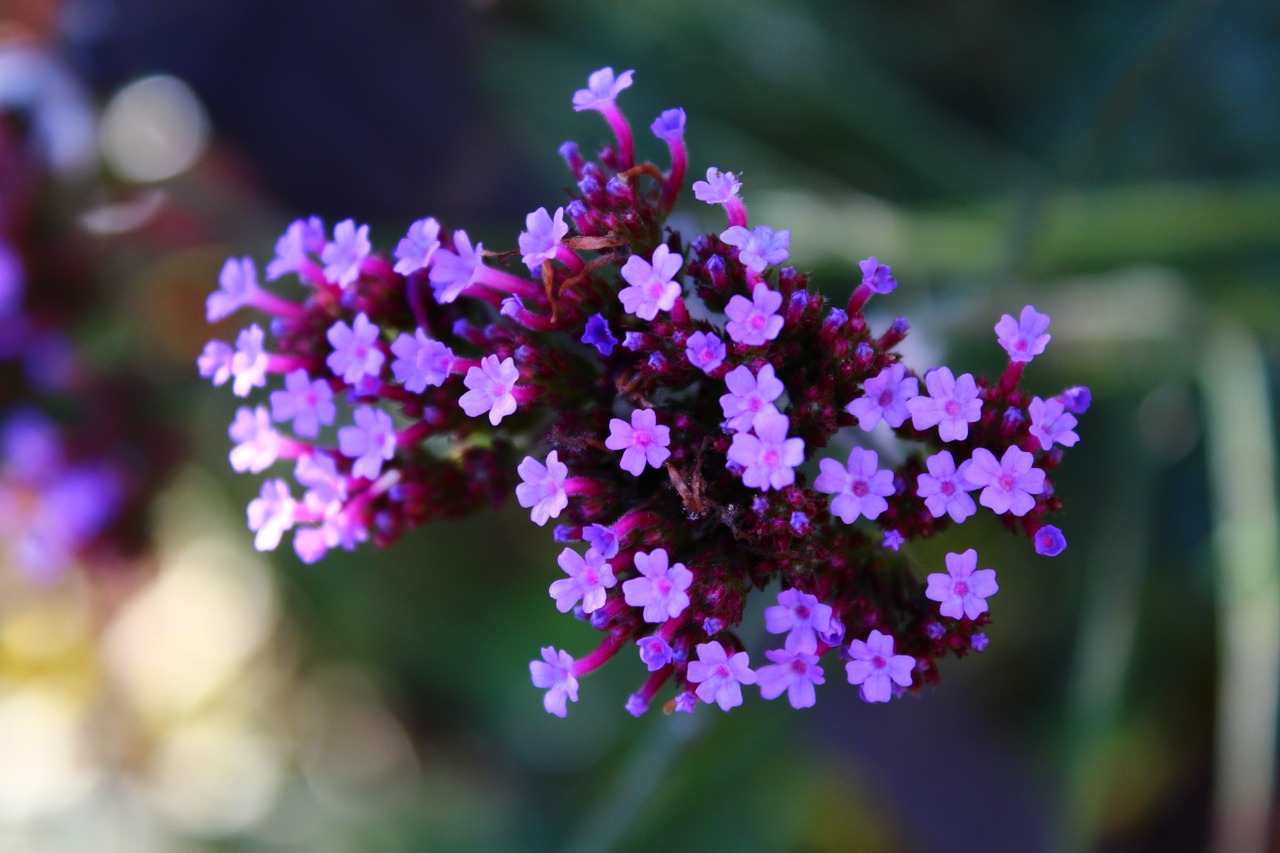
x,y
952,408
757,321
755,404
1020,345
770,458
663,586
1006,482
885,399
641,438
859,488
802,612
948,488
799,667
655,290
721,671
960,588
878,662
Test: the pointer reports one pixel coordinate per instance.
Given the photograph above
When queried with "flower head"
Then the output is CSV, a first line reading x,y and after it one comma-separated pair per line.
x,y
542,489
719,675
792,672
643,441
540,241
885,396
1007,485
754,321
453,271
874,666
876,276
660,588
951,406
602,89
416,248
859,487
370,442
343,256
945,488
750,395
588,579
964,589
491,386
669,126
719,187
420,361
554,673
651,287
801,616
1051,423
759,247
768,458
355,353
305,402
705,351
237,285
1024,338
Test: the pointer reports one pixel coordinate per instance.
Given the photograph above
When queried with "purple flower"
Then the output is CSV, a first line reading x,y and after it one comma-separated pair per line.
x,y
271,514
603,539
669,126
326,488
215,361
599,335
768,458
308,404
1008,485
303,237
542,487
342,257
1049,541
885,396
420,361
554,673
237,285
859,488
1050,422
588,579
641,441
369,442
718,188
540,241
1025,338
257,442
654,652
952,404
651,287
944,487
874,665
452,272
802,616
754,321
355,353
719,677
249,363
660,589
416,248
750,395
793,671
602,89
876,277
760,247
705,351
1076,400
978,642
491,386
962,590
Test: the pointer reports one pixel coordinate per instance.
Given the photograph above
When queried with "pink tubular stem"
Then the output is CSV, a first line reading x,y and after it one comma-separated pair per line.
x,y
622,130
675,178
601,655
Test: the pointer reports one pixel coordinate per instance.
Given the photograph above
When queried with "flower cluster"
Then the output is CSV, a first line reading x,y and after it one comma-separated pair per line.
x,y
670,400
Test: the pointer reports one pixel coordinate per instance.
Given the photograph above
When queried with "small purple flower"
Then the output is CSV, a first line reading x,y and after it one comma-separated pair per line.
x,y
308,404
759,247
799,523
792,671
215,361
876,276
685,703
719,676
1025,338
892,540
651,287
756,320
249,363
654,652
978,642
554,673
418,246
885,396
637,705
859,488
1007,485
355,353
602,89
802,616
750,395
326,488
369,442
705,351
768,458
237,285
420,361
718,188
1076,400
542,487
491,386
642,441
660,589
588,579
540,241
257,442
944,488
453,271
669,126
952,404
271,514
1049,541
303,238
1050,422
603,539
874,665
343,256
599,335
964,589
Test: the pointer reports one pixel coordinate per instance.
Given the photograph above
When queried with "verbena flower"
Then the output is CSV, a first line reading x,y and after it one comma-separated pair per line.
x,y
677,458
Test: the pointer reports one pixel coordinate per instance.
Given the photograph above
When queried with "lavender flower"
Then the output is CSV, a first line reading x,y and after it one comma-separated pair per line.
x,y
754,321
760,247
416,248
602,89
768,458
750,395
541,239
420,361
599,335
302,239
554,673
308,404
660,589
1051,423
654,652
643,441
944,488
215,362
801,616
859,488
1025,338
453,271
951,406
257,443
885,397
491,389
355,354
651,287
669,126
874,666
542,489
705,351
588,579
964,589
370,442
719,676
876,276
343,256
271,514
792,672
1007,485
237,286
1049,541
718,188
249,363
